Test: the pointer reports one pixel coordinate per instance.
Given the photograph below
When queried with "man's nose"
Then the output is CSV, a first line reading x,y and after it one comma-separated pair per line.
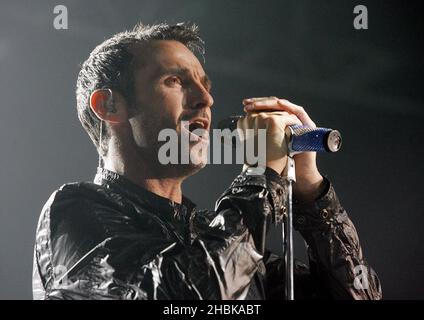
x,y
200,97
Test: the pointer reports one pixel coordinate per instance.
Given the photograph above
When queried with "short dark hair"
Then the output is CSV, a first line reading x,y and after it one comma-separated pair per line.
x,y
109,66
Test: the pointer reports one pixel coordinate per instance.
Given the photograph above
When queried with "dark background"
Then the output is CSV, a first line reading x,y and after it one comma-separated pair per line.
x,y
365,83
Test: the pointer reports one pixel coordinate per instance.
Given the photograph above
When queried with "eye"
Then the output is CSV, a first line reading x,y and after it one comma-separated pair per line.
x,y
174,80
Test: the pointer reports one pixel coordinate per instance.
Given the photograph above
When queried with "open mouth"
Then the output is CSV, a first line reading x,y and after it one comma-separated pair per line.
x,y
198,130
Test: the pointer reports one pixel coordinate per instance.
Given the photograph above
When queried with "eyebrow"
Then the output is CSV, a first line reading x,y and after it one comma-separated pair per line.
x,y
206,81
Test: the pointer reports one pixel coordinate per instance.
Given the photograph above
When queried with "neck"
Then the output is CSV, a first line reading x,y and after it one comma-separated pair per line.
x,y
166,188
145,174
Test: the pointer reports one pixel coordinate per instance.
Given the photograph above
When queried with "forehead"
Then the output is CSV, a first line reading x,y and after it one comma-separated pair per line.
x,y
161,55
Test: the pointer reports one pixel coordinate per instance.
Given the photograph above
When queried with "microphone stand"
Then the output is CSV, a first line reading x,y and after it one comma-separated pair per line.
x,y
287,232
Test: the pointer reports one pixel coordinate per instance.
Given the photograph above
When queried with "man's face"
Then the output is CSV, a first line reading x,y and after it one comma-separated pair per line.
x,y
170,87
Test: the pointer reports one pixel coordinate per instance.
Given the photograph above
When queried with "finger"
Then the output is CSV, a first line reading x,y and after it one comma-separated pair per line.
x,y
288,120
297,110
272,103
282,119
268,113
263,107
276,113
280,116
250,100
291,120
265,104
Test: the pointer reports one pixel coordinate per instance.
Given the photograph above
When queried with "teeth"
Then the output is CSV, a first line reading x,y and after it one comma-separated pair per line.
x,y
196,125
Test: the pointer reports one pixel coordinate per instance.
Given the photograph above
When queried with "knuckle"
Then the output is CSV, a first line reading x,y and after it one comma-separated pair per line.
x,y
274,120
248,116
279,113
295,119
262,116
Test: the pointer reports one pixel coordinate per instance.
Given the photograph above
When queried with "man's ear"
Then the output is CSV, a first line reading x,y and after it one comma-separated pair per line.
x,y
109,105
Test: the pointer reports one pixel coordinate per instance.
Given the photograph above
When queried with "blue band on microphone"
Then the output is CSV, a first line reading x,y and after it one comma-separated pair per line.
x,y
305,138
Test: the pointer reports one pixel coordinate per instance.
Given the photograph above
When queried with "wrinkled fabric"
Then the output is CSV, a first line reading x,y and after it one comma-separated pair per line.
x,y
112,239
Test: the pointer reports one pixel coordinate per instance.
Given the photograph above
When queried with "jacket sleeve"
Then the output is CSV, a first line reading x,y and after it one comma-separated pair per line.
x,y
337,267
256,199
335,254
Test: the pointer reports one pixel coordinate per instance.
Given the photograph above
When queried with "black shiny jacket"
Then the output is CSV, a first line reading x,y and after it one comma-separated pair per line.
x,y
112,239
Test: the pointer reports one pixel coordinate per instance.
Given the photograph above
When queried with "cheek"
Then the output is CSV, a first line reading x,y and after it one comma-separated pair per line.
x,y
170,110
147,125
140,131
170,98
160,109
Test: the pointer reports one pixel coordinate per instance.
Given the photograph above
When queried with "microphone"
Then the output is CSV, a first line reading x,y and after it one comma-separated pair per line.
x,y
300,138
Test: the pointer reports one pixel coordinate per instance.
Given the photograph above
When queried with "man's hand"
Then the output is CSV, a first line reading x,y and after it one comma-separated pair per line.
x,y
274,122
308,184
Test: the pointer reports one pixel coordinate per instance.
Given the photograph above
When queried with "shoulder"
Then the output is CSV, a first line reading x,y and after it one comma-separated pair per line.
x,y
78,211
73,201
75,193
70,210
68,227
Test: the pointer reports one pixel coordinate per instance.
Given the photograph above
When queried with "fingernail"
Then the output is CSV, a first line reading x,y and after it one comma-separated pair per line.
x,y
249,107
247,100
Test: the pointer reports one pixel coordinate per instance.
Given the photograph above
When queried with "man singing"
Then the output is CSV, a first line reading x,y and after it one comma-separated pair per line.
x,y
131,234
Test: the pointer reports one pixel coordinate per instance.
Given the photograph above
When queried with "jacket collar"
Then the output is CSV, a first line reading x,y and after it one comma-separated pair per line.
x,y
163,206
